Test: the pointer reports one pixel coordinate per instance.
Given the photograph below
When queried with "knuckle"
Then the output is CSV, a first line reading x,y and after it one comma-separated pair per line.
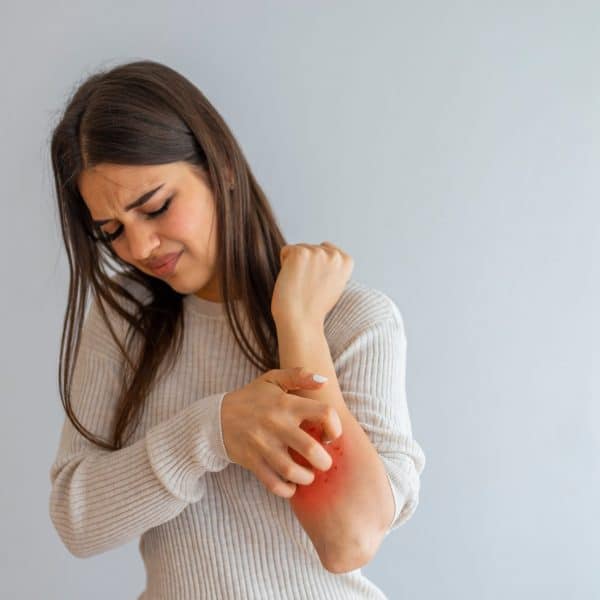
x,y
328,411
282,400
287,471
273,486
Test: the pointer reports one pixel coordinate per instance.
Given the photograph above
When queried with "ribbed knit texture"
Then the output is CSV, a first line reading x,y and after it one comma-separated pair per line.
x,y
209,528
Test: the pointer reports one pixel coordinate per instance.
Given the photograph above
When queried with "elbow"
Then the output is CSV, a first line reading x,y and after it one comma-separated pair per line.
x,y
77,550
71,543
349,559
69,513
70,539
70,535
341,565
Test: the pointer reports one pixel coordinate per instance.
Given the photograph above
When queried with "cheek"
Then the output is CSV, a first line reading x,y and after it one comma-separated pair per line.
x,y
193,227
182,225
190,224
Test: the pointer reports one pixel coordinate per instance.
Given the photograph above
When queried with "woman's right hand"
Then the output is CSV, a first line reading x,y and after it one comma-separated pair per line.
x,y
261,421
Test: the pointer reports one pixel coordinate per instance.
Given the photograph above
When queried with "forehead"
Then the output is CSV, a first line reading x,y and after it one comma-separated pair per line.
x,y
110,186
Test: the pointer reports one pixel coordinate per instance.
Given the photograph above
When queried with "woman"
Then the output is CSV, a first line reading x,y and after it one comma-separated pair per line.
x,y
192,417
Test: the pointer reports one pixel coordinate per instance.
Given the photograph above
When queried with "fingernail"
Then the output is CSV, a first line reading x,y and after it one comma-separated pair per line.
x,y
319,378
330,440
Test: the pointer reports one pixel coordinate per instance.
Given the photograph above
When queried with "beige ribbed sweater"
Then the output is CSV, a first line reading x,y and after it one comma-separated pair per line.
x,y
209,528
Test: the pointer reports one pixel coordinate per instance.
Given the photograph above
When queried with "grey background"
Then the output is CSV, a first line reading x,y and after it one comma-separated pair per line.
x,y
452,149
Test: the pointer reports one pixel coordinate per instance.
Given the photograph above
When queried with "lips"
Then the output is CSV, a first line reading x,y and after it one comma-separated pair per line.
x,y
163,260
166,264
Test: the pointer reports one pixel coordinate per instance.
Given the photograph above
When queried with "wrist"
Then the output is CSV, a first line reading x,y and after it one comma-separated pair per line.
x,y
299,323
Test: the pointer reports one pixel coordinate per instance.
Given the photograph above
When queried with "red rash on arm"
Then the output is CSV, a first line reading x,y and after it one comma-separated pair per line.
x,y
321,492
345,509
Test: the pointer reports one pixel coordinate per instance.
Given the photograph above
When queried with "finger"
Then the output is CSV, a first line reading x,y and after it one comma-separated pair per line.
x,y
332,246
309,449
317,247
286,468
316,410
285,250
294,378
269,478
328,246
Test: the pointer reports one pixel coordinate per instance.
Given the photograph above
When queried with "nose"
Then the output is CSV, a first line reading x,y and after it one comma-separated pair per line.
x,y
142,240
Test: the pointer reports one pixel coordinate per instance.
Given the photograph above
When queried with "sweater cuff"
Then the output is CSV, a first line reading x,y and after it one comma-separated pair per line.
x,y
183,448
405,485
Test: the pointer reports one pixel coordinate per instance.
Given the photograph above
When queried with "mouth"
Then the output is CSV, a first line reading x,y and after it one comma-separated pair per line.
x,y
167,268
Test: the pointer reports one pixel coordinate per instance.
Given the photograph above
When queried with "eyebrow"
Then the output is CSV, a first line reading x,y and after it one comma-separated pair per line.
x,y
141,200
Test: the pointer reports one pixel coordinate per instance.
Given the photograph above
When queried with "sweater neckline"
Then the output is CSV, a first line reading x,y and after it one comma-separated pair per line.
x,y
207,307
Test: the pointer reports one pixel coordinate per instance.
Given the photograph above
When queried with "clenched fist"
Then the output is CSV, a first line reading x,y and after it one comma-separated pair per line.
x,y
310,282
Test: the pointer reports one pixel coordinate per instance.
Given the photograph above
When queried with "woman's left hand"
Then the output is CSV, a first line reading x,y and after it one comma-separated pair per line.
x,y
311,280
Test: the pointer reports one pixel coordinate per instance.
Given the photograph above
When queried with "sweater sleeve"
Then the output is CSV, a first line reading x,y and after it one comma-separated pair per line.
x,y
371,374
100,498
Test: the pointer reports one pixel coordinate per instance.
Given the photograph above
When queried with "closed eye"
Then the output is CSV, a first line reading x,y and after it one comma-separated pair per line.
x,y
109,237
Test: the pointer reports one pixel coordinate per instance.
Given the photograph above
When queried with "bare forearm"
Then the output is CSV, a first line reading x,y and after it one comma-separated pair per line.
x,y
346,509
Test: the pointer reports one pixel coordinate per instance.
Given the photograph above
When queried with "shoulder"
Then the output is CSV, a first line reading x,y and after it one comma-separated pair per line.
x,y
135,289
96,330
359,309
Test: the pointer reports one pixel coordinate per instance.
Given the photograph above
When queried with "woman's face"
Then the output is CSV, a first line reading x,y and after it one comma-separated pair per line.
x,y
185,225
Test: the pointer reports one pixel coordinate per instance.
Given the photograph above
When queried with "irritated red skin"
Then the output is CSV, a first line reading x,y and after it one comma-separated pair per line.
x,y
322,491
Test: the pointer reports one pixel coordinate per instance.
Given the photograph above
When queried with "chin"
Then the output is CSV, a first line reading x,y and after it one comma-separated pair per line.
x,y
180,288
183,287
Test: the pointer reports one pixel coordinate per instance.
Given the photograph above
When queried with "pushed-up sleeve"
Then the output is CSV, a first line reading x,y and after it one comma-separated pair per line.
x,y
371,371
100,498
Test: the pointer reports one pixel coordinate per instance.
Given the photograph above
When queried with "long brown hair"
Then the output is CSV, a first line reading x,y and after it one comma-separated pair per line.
x,y
145,113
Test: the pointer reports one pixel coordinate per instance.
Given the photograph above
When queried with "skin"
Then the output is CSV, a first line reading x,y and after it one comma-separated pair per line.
x,y
187,224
